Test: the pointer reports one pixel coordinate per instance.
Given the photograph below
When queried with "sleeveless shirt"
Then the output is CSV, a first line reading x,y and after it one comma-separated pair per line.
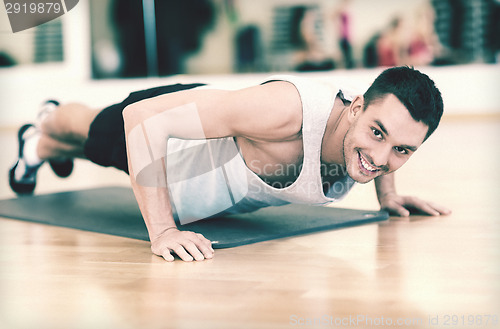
x,y
209,178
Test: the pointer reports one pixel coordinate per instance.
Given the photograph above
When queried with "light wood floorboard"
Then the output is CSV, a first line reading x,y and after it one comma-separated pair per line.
x,y
419,270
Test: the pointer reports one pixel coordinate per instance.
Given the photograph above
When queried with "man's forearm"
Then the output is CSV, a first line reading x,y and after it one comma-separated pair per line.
x,y
155,207
148,177
165,238
385,185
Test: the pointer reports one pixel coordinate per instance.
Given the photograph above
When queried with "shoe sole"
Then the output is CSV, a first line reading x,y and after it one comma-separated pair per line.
x,y
62,169
20,188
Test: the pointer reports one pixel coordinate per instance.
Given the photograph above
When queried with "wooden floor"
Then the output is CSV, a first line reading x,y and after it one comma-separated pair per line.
x,y
420,272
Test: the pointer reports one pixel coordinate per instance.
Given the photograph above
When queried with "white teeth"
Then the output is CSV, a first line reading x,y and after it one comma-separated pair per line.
x,y
366,165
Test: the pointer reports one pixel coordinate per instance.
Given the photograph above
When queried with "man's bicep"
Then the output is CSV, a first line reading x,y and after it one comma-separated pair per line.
x,y
270,111
256,111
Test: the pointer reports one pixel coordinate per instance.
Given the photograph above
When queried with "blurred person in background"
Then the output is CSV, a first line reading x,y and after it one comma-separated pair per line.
x,y
342,17
310,54
392,44
408,40
424,44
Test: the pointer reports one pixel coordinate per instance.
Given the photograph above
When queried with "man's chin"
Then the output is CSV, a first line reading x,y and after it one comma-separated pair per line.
x,y
363,181
360,178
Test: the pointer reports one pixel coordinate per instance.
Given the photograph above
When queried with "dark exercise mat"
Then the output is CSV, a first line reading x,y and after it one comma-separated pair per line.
x,y
113,210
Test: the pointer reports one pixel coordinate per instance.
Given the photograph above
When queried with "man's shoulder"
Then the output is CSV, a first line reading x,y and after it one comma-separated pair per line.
x,y
267,111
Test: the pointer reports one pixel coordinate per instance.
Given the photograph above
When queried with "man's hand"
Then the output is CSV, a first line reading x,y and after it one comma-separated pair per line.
x,y
187,245
403,205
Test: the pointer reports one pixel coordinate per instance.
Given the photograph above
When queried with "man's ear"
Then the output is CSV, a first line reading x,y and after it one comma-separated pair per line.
x,y
355,109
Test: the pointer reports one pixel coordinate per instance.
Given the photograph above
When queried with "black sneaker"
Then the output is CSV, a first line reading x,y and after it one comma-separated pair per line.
x,y
22,178
61,167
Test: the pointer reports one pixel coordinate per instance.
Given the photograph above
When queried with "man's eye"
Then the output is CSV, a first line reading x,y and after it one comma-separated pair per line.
x,y
377,133
400,150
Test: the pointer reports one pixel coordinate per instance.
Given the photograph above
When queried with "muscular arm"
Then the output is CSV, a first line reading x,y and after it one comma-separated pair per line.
x,y
270,111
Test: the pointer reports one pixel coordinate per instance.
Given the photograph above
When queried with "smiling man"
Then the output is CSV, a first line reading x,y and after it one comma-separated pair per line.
x,y
194,152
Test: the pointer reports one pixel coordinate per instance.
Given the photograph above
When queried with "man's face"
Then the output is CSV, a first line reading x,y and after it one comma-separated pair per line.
x,y
381,138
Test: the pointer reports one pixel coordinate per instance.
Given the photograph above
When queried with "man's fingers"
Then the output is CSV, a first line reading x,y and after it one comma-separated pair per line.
x,y
205,246
182,253
428,208
395,208
403,212
402,206
199,247
168,256
204,240
178,249
442,210
397,211
424,207
188,246
193,250
194,247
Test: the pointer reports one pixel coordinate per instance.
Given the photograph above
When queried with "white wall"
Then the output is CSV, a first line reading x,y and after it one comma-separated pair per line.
x,y
466,89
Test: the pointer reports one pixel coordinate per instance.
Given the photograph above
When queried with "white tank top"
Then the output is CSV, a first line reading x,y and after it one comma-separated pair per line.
x,y
208,178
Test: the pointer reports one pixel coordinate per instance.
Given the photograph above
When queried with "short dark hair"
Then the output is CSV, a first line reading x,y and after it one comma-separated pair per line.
x,y
415,90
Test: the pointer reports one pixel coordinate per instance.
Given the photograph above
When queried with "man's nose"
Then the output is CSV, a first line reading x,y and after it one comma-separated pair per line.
x,y
380,155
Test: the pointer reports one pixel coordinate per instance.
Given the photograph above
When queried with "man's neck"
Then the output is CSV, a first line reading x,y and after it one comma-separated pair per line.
x,y
332,151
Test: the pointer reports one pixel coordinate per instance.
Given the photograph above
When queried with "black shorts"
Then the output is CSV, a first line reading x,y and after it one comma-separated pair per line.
x,y
105,145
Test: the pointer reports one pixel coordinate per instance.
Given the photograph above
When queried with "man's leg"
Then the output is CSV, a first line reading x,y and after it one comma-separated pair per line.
x,y
53,149
58,136
64,132
74,130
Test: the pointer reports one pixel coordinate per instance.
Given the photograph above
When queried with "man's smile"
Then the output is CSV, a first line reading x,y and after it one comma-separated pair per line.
x,y
365,165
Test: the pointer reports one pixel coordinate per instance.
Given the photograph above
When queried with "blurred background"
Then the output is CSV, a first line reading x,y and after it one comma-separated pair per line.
x,y
124,40
222,36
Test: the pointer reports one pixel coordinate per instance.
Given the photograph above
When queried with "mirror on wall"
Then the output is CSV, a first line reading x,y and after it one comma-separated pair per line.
x,y
138,38
40,44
